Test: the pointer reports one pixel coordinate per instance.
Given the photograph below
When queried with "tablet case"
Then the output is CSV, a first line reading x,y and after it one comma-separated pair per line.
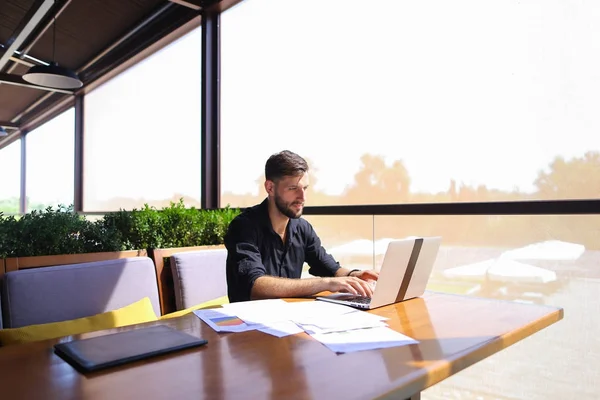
x,y
101,352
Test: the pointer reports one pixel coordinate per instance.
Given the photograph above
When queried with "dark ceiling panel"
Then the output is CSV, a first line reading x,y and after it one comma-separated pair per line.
x,y
86,27
14,99
11,14
223,5
20,69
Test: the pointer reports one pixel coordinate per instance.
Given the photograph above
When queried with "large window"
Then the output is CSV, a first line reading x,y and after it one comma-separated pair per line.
x,y
50,163
414,101
10,178
142,132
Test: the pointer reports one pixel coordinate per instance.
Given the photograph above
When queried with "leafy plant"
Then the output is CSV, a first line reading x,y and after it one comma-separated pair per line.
x,y
173,226
137,229
8,234
63,231
216,223
53,231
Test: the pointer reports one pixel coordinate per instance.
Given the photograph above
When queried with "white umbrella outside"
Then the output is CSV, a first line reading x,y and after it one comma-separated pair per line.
x,y
548,250
502,270
359,247
381,246
362,247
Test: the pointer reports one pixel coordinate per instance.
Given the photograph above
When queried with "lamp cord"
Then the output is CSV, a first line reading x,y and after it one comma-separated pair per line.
x,y
54,41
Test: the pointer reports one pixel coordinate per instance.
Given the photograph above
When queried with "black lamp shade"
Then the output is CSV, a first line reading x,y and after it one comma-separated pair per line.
x,y
53,76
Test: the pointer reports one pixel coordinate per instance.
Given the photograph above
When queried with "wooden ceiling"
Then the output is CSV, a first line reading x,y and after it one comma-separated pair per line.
x,y
95,38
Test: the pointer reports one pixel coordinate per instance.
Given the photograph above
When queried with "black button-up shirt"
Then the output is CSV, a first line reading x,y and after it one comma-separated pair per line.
x,y
254,249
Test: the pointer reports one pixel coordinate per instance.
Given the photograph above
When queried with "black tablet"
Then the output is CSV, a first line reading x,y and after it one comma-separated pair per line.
x,y
101,352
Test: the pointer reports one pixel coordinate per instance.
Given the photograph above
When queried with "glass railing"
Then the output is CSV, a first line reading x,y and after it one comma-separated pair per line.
x,y
540,259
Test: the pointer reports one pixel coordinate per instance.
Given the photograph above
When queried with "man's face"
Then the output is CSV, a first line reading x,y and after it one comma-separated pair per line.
x,y
289,194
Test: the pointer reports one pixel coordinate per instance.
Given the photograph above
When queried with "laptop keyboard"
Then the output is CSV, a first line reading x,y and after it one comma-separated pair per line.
x,y
351,300
361,300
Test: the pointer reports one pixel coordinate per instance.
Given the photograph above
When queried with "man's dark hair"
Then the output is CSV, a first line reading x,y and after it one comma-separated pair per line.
x,y
284,163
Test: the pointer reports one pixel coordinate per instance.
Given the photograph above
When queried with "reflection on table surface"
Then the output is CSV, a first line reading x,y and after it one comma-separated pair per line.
x,y
453,332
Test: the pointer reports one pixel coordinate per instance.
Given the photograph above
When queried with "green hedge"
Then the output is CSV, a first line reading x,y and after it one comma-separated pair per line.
x,y
63,231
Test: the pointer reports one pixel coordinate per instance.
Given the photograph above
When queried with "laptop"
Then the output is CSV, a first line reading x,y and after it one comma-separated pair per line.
x,y
404,274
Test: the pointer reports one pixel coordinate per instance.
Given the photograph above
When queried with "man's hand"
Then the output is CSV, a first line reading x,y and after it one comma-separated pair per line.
x,y
349,284
271,287
366,275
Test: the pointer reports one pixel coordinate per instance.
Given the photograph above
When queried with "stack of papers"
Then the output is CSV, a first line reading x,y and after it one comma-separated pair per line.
x,y
340,328
340,323
363,339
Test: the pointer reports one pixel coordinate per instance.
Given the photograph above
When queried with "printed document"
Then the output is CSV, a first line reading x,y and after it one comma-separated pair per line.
x,y
363,339
340,328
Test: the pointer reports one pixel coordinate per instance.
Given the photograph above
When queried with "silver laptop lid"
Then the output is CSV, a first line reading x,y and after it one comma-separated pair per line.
x,y
405,271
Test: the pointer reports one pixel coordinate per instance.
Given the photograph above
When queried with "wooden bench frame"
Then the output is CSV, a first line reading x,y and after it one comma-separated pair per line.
x,y
166,290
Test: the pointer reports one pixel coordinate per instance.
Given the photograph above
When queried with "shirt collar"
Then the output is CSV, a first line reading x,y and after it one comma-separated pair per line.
x,y
264,211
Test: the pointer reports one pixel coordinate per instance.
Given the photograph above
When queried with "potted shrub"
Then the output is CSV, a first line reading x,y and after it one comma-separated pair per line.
x,y
61,236
171,230
57,236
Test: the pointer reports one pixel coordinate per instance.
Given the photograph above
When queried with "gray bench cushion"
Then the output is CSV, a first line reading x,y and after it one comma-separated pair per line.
x,y
198,276
60,293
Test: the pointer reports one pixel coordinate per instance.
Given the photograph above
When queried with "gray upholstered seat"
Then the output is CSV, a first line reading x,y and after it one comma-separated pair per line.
x,y
198,276
50,294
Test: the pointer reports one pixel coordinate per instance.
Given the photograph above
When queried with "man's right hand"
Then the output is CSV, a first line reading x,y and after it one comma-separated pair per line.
x,y
349,284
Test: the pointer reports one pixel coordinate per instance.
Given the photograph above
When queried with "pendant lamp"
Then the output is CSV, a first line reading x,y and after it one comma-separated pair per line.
x,y
53,75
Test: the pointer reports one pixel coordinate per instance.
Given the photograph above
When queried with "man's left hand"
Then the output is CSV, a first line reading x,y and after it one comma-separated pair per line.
x,y
366,275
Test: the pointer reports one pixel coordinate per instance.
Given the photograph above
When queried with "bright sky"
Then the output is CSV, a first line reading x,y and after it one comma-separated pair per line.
x,y
143,128
480,92
53,179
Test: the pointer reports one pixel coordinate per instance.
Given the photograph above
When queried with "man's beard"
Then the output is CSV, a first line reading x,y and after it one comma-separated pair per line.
x,y
286,209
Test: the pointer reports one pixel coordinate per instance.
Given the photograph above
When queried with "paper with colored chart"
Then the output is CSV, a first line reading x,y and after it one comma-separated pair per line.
x,y
222,320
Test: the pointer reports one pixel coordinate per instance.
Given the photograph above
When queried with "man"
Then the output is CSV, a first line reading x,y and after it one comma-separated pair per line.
x,y
268,244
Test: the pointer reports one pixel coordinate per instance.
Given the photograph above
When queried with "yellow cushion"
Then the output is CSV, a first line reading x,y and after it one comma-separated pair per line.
x,y
214,303
136,313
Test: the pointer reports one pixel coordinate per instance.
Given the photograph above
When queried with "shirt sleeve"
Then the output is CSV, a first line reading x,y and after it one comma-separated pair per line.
x,y
321,263
245,262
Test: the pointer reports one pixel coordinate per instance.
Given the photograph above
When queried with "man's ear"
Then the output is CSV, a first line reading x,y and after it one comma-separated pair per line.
x,y
270,187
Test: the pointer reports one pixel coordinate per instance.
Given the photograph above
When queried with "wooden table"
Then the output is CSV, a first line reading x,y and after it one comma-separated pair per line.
x,y
454,333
